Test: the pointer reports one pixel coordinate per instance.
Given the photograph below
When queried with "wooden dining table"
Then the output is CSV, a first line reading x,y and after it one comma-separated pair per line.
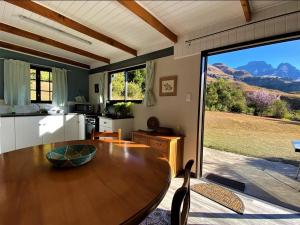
x,y
121,185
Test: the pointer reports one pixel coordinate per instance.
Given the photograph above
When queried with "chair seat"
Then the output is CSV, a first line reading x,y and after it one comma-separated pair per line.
x,y
158,217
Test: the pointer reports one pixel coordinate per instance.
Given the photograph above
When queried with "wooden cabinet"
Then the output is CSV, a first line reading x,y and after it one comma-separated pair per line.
x,y
111,125
169,147
7,134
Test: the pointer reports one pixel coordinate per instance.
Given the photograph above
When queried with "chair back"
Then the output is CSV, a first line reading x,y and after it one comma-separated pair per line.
x,y
97,135
182,198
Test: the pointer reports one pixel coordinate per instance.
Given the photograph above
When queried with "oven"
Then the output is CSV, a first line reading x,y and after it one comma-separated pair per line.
x,y
83,108
91,122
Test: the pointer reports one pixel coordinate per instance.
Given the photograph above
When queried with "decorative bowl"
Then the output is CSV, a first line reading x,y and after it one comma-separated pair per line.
x,y
71,155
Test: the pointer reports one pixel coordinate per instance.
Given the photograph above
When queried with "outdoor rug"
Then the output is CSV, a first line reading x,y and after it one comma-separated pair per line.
x,y
220,195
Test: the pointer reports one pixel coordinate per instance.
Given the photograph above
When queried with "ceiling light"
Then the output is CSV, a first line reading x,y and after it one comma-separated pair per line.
x,y
55,29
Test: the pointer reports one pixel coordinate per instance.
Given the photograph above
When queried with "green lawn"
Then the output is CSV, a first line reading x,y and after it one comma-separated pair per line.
x,y
253,136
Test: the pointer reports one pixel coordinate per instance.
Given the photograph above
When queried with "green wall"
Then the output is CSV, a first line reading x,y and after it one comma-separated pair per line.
x,y
78,79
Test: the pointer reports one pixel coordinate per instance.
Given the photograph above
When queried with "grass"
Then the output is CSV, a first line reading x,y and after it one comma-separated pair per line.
x,y
252,136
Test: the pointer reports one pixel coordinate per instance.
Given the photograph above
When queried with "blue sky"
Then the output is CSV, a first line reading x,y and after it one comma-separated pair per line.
x,y
285,52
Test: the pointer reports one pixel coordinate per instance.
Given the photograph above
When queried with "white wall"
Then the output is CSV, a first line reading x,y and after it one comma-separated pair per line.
x,y
173,111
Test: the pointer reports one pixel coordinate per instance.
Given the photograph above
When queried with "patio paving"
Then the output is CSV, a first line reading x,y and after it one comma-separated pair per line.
x,y
273,182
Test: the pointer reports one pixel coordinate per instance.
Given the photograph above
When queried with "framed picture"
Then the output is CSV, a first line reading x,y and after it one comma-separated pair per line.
x,y
96,88
168,86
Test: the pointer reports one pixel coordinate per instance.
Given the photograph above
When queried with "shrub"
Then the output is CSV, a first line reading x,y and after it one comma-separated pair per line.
x,y
279,109
223,96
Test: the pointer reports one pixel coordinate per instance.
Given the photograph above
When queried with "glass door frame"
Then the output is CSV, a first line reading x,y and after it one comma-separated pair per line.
x,y
202,85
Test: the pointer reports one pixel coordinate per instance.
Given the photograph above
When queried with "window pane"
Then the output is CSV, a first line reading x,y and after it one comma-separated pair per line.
x,y
45,75
32,74
118,86
50,76
51,96
136,84
32,95
45,86
45,96
32,84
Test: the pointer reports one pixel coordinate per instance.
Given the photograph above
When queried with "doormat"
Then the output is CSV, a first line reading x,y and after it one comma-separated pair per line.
x,y
226,182
221,196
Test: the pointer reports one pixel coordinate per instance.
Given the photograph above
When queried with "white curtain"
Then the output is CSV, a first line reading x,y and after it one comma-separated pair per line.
x,y
60,87
102,83
16,82
149,98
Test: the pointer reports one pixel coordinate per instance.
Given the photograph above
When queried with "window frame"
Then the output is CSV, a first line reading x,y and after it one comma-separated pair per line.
x,y
38,70
142,66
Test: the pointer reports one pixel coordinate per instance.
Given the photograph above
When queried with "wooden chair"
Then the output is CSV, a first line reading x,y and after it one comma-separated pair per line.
x,y
97,135
180,204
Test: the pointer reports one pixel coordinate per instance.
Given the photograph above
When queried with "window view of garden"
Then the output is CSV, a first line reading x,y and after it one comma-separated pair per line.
x,y
252,115
128,85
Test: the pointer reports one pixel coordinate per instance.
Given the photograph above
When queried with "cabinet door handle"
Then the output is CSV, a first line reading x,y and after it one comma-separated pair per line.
x,y
104,122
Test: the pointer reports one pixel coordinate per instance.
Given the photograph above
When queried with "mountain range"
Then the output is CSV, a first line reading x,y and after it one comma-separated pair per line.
x,y
261,68
285,77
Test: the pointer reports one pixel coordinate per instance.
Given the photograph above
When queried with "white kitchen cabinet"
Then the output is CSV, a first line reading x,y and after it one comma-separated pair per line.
x,y
52,129
7,134
29,131
81,119
74,127
112,125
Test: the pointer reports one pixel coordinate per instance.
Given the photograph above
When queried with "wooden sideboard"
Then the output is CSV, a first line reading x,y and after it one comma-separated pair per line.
x,y
169,147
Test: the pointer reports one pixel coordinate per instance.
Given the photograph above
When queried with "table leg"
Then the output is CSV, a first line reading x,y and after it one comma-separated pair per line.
x,y
298,172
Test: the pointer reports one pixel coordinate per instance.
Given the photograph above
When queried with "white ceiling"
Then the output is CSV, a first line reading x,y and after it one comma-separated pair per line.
x,y
114,20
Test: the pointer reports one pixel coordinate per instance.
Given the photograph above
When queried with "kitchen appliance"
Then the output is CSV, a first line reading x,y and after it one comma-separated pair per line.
x,y
91,122
84,108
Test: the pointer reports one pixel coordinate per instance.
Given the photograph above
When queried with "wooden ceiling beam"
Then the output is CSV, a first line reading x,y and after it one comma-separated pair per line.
x,y
22,33
246,9
52,15
41,54
149,18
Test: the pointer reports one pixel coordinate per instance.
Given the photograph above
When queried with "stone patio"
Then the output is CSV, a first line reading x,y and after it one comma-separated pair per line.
x,y
273,182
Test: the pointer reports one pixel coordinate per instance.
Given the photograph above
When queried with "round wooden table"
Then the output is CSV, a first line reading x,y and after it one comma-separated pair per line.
x,y
121,185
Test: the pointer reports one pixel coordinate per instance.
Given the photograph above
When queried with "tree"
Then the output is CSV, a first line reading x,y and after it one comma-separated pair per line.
x,y
221,95
261,100
279,109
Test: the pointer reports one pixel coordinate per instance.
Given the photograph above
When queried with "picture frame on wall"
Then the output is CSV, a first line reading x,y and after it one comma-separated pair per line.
x,y
168,86
96,88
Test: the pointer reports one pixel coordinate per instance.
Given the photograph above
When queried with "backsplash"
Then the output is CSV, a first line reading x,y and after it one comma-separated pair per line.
x,y
32,108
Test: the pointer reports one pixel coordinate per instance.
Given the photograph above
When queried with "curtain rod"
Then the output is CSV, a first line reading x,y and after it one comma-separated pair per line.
x,y
258,21
34,64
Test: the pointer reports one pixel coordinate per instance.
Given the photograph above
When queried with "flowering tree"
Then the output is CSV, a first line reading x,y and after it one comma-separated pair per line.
x,y
261,100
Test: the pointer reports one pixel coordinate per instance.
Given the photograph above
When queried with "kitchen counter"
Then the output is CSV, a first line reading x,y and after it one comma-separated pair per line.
x,y
34,114
112,117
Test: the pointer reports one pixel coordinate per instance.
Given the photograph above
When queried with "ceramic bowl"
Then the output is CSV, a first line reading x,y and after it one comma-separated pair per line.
x,y
71,155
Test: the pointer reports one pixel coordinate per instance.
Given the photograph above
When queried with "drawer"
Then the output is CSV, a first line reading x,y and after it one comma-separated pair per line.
x,y
105,122
105,129
159,144
140,139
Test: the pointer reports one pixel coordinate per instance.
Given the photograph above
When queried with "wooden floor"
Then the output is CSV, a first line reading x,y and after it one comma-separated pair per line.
x,y
204,211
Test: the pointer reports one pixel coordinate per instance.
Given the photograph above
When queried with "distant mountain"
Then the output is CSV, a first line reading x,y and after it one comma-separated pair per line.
x,y
277,79
262,69
286,70
258,68
238,74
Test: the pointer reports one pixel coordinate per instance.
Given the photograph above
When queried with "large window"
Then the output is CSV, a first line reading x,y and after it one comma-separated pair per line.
x,y
128,84
40,85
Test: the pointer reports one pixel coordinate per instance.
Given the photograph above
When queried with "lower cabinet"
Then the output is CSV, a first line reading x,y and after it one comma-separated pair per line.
x,y
22,132
7,134
112,125
168,147
28,131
